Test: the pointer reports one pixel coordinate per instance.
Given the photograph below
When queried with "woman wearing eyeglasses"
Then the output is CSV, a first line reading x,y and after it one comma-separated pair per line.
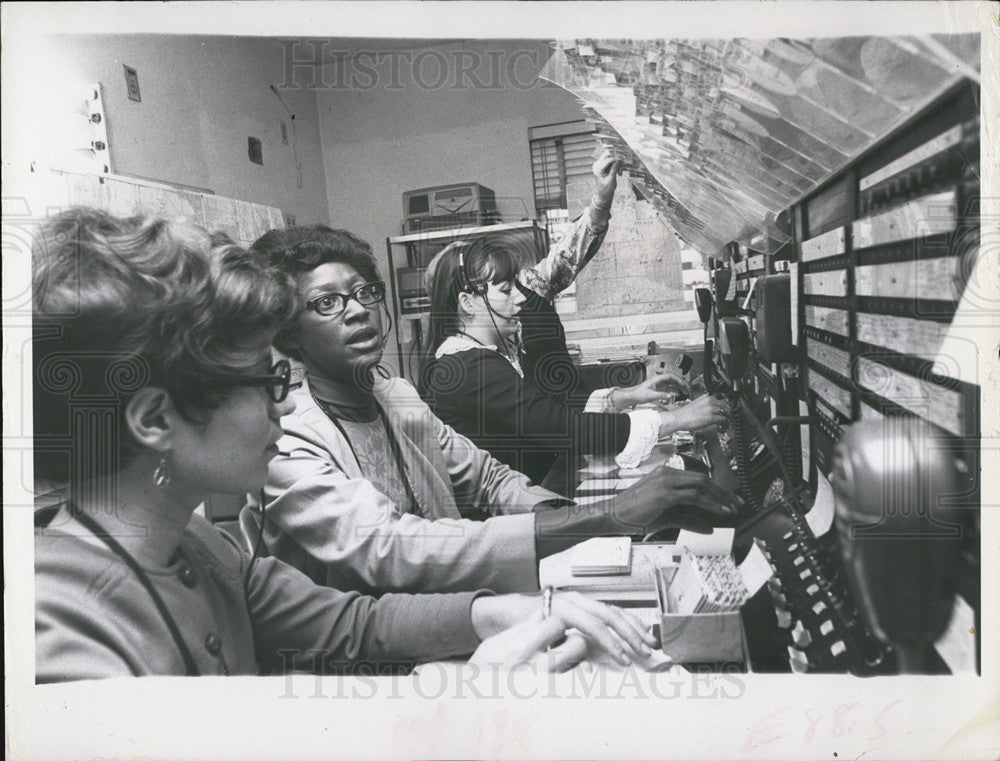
x,y
369,488
154,387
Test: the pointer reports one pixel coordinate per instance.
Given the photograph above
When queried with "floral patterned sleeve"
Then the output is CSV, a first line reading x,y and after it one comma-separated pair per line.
x,y
567,255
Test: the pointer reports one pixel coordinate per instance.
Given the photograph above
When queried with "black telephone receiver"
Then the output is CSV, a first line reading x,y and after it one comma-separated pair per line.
x,y
734,347
900,548
703,303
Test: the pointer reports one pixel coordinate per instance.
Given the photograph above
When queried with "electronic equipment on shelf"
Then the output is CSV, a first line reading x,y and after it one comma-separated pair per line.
x,y
413,296
464,204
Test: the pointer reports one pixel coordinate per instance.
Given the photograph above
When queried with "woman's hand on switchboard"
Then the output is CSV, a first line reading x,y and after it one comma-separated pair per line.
x,y
663,387
668,497
524,632
704,412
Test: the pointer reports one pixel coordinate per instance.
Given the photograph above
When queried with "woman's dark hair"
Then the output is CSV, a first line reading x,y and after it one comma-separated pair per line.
x,y
481,262
303,249
125,303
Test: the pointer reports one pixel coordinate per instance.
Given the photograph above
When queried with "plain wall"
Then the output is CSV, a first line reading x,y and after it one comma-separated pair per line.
x,y
389,134
201,99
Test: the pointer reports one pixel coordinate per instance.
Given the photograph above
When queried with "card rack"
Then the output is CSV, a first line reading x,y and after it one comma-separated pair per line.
x,y
877,262
881,250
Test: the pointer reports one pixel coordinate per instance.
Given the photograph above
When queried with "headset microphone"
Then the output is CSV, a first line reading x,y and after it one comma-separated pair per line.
x,y
481,289
388,327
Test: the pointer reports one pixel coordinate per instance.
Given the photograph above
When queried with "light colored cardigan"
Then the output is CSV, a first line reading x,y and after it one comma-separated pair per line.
x,y
326,519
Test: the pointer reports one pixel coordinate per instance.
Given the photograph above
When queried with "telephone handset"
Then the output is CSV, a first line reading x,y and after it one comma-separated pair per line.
x,y
900,549
734,345
703,303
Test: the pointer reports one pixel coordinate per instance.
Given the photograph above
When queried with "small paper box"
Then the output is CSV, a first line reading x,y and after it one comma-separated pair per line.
x,y
697,637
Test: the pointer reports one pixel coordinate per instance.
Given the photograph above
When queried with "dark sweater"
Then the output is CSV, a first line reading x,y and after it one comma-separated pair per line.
x,y
479,394
546,362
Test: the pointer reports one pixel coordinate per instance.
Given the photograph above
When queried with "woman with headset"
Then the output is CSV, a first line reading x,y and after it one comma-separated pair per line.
x,y
154,388
521,400
370,490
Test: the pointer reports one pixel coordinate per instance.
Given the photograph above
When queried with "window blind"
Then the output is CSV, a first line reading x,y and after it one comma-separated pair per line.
x,y
559,161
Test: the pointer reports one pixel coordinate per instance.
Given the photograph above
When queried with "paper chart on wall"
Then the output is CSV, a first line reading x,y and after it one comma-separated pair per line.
x,y
262,220
243,221
219,215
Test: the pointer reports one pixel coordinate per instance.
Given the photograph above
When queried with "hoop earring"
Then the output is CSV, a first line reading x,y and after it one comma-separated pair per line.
x,y
162,474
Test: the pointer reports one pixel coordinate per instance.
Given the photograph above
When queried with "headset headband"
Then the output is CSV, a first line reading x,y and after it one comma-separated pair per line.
x,y
465,282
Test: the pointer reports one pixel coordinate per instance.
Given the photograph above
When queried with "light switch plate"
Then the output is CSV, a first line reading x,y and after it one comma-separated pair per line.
x,y
132,83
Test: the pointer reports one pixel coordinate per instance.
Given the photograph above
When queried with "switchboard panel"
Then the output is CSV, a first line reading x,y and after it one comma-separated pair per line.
x,y
877,270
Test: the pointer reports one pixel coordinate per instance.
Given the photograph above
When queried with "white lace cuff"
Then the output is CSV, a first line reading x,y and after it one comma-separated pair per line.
x,y
642,437
600,401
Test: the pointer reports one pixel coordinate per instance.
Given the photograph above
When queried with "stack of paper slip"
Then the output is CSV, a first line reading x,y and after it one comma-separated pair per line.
x,y
706,584
602,556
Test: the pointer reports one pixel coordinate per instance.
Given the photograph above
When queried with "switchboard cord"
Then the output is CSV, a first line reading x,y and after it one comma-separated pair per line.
x,y
740,439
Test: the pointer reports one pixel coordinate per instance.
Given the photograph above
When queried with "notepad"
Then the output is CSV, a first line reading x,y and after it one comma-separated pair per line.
x,y
598,485
602,556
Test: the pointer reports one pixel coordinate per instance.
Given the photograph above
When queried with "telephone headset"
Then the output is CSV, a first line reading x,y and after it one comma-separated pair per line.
x,y
465,283
480,288
388,322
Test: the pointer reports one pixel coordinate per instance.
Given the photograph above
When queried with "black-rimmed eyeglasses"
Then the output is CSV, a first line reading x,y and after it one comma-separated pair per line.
x,y
332,304
276,383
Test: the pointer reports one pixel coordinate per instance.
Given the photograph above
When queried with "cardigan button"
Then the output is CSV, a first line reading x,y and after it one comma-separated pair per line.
x,y
213,643
187,577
